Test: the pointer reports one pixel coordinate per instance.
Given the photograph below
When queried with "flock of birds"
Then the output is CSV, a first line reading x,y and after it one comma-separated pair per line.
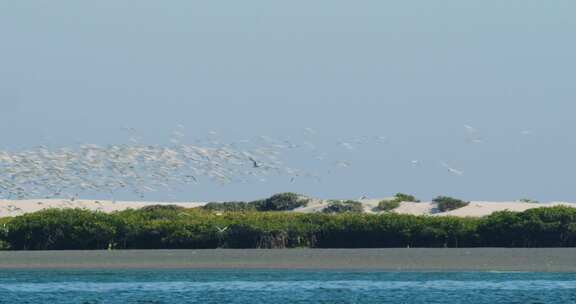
x,y
44,172
67,172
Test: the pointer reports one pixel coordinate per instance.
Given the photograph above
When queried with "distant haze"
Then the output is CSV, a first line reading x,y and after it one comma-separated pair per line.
x,y
414,72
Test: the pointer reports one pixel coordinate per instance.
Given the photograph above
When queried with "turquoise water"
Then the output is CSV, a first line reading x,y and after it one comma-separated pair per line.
x,y
188,286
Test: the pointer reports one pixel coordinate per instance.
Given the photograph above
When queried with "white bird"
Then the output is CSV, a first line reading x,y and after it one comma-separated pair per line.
x,y
255,164
191,177
320,156
416,162
452,170
310,131
346,145
132,168
382,139
221,230
473,135
470,129
343,164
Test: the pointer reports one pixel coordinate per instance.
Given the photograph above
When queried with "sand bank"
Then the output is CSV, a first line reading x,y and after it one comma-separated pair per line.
x,y
19,207
474,209
408,259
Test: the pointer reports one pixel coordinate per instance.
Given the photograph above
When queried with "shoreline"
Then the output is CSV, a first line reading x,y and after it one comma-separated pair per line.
x,y
389,259
12,208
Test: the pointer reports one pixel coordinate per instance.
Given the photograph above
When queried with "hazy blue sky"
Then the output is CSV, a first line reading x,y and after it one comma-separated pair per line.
x,y
414,71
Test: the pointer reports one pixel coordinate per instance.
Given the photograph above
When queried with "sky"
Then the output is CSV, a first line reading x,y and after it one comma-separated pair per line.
x,y
415,72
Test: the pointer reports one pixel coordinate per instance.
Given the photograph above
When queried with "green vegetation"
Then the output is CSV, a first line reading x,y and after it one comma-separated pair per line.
x,y
401,197
278,202
389,205
230,206
539,227
61,229
3,233
445,203
336,206
162,208
169,227
282,202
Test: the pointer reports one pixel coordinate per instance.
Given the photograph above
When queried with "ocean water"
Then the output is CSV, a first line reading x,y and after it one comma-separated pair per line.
x,y
249,287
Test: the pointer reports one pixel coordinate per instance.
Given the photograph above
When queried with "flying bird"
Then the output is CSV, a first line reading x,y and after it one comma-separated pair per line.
x,y
470,128
452,170
69,171
255,164
221,230
310,131
346,145
343,164
191,177
473,135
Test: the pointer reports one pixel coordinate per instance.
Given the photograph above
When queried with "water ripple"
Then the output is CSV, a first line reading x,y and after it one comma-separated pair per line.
x,y
356,285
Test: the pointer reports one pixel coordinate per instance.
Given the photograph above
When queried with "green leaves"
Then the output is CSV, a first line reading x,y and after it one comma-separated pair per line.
x,y
173,228
401,197
343,207
389,205
282,202
61,229
278,202
445,203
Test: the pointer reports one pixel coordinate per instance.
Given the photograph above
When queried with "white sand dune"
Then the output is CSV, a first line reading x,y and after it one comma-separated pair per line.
x,y
415,208
18,207
10,208
474,209
479,209
314,205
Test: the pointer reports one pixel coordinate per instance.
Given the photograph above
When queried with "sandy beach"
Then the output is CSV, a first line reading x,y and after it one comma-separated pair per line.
x,y
475,208
407,259
9,208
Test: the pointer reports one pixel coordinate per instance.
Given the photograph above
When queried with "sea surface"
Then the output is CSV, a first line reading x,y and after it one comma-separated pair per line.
x,y
272,286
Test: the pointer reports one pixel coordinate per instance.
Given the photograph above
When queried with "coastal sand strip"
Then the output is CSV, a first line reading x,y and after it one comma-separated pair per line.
x,y
407,259
9,208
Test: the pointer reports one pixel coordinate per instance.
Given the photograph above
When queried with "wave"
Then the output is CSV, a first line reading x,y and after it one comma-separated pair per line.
x,y
359,285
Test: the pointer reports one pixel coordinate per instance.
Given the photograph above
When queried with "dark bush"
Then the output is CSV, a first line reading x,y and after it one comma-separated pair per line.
x,y
401,197
278,202
230,207
162,208
539,227
197,228
160,211
528,200
391,204
343,206
281,202
445,203
387,205
61,229
3,233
